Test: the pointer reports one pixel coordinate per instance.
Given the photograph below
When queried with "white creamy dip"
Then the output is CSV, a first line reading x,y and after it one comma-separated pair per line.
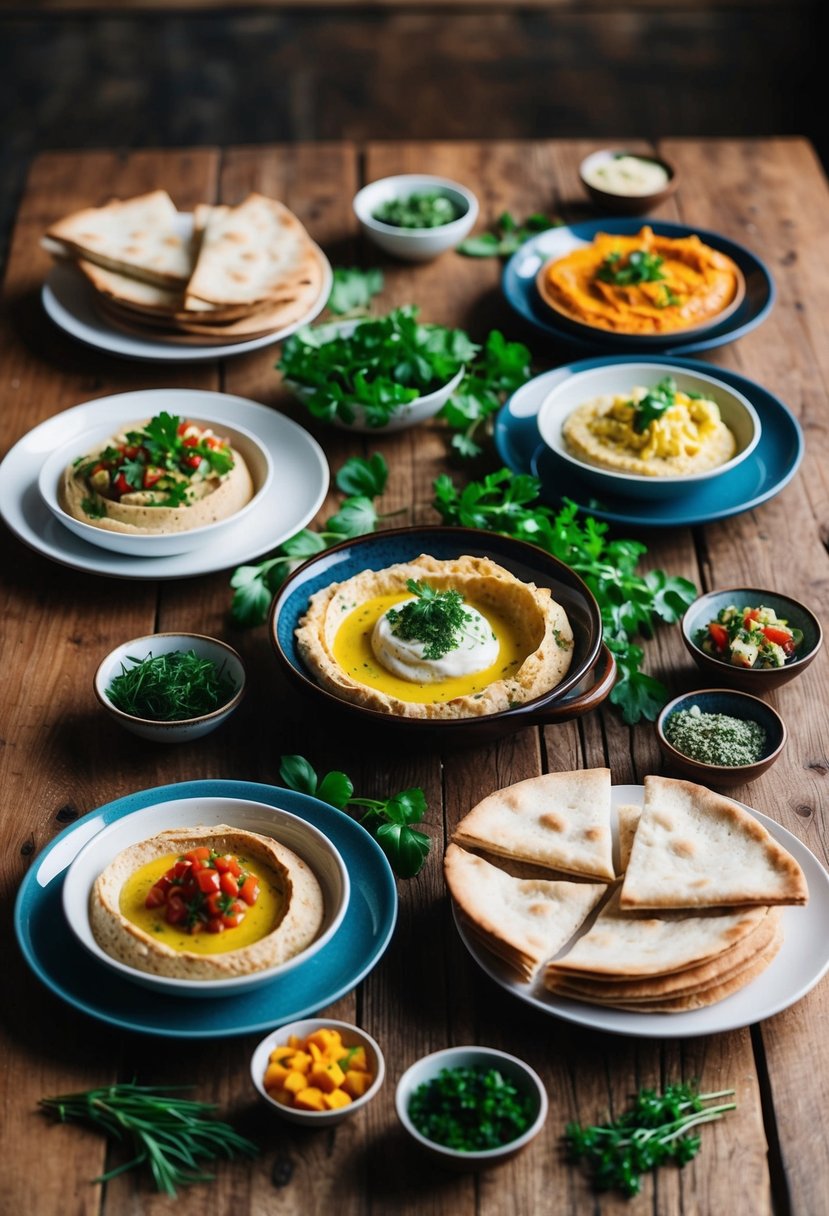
x,y
477,649
627,175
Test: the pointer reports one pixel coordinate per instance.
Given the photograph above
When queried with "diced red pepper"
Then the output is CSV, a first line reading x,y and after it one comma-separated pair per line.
x,y
176,910
202,853
249,890
781,637
192,462
234,915
227,863
181,868
229,884
152,475
719,635
215,903
215,925
121,486
751,614
156,897
208,881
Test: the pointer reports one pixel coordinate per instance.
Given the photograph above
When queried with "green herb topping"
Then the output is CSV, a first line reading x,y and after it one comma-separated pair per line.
x,y
435,618
470,1109
639,266
655,1129
423,209
654,404
171,1135
508,235
715,738
170,687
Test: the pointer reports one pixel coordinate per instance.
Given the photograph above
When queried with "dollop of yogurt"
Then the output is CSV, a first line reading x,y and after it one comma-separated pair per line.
x,y
477,649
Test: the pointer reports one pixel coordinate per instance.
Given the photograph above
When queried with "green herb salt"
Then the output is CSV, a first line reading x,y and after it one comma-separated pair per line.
x,y
715,738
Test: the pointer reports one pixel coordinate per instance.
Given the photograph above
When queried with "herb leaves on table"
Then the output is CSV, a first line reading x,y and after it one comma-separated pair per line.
x,y
500,368
508,235
352,290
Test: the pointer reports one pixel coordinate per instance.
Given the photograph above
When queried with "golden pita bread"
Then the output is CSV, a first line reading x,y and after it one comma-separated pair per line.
x,y
523,920
137,236
627,817
696,849
559,820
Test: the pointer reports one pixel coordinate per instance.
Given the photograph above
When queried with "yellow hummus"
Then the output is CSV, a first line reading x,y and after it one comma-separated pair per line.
x,y
688,437
687,283
528,650
286,920
129,486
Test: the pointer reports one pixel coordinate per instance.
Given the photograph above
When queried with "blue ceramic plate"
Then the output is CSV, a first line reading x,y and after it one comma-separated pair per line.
x,y
518,285
58,959
770,467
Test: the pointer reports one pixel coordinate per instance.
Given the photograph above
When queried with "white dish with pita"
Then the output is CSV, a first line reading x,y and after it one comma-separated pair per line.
x,y
293,497
802,960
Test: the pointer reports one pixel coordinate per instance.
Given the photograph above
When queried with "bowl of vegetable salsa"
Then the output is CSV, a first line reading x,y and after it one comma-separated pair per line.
x,y
415,216
751,638
471,1107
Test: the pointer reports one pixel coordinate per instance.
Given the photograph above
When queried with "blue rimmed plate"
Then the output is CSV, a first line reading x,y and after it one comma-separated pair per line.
x,y
519,287
58,959
770,467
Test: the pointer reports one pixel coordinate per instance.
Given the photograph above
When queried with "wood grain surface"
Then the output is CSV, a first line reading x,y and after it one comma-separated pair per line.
x,y
60,758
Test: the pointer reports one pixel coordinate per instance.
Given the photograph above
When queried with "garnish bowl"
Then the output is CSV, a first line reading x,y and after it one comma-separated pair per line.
x,y
352,1036
757,680
618,379
525,1079
414,244
613,203
735,704
159,544
185,729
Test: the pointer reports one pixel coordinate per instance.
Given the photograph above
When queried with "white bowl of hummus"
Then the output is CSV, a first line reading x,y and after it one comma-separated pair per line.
x,y
155,487
648,429
134,893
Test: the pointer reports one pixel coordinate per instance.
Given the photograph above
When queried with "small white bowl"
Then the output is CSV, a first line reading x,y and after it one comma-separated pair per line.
x,y
420,409
183,731
414,244
256,457
525,1079
290,830
619,378
352,1036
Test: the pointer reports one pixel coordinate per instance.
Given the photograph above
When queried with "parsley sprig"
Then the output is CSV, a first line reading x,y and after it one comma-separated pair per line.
x,y
508,235
640,266
655,1129
500,368
352,290
654,404
388,819
435,618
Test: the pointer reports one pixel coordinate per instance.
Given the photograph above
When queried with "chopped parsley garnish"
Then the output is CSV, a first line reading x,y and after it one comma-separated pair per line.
x,y
470,1109
423,209
639,266
435,618
654,404
170,687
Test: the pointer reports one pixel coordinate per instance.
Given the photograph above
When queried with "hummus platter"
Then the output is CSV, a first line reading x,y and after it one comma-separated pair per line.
x,y
431,638
206,903
642,284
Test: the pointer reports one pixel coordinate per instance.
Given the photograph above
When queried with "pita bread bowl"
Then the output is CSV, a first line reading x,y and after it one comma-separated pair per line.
x,y
303,896
150,519
305,606
717,704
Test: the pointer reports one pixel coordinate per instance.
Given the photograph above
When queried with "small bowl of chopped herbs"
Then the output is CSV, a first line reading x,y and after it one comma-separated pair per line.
x,y
171,687
721,736
471,1107
415,216
751,638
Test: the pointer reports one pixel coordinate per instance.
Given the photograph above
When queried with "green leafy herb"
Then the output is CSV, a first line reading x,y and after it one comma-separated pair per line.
x,y
507,236
435,618
654,404
352,290
500,369
631,603
390,819
639,266
470,1109
94,508
655,1129
170,687
169,1134
422,209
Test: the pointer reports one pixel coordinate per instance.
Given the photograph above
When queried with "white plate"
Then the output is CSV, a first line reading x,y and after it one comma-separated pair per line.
x,y
802,961
70,302
297,489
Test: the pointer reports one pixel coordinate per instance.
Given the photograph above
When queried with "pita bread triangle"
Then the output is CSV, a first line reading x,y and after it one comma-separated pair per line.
x,y
696,849
523,920
559,820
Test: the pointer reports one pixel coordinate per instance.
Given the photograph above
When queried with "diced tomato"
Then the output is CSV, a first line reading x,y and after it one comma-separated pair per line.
x,y
176,910
130,451
192,462
215,925
781,637
719,635
208,881
215,903
751,614
197,926
202,853
181,868
152,475
227,863
121,485
229,884
190,441
156,896
249,890
234,915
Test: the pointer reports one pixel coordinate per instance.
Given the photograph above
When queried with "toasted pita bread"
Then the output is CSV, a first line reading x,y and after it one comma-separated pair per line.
x,y
559,820
627,817
696,849
526,920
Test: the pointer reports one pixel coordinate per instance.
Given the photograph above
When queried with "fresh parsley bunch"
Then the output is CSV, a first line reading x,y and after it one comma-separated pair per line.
x,y
500,368
435,618
390,819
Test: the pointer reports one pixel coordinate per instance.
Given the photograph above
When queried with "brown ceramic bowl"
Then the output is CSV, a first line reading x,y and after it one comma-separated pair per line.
x,y
735,705
585,687
615,203
757,680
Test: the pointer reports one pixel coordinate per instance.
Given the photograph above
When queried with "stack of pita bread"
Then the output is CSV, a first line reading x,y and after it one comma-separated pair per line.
x,y
242,272
694,918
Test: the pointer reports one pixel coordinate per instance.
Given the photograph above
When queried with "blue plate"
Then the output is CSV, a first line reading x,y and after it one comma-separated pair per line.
x,y
763,474
518,285
57,958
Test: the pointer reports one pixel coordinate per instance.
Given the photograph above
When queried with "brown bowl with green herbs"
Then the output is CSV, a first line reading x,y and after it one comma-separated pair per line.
x,y
171,687
720,736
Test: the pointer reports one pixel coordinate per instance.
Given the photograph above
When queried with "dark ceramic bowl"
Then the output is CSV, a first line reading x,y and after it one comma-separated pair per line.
x,y
735,705
755,680
614,203
586,685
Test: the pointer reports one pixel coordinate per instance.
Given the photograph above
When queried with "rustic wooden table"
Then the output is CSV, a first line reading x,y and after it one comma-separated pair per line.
x,y
61,758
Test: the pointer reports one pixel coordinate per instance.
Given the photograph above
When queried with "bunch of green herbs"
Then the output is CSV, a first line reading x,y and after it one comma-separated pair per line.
x,y
507,236
170,687
640,266
435,618
470,1109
